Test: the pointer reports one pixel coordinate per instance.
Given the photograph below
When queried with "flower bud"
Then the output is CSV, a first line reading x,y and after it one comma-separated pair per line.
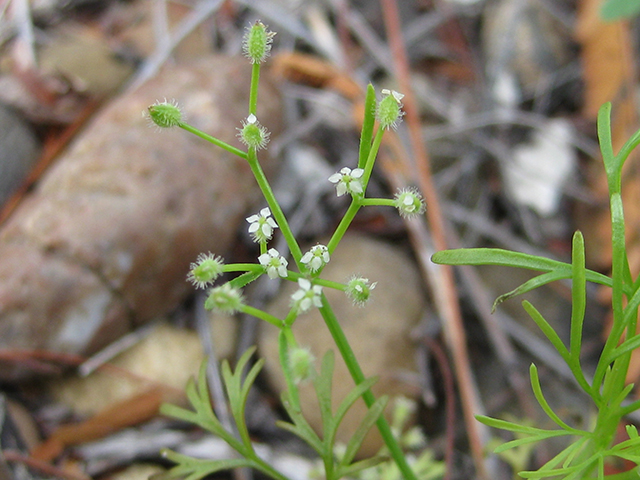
x,y
165,114
257,42
301,363
205,270
224,298
389,110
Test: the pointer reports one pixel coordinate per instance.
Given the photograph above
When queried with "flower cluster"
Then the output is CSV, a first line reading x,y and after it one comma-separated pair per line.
x,y
274,264
261,225
316,258
306,296
348,181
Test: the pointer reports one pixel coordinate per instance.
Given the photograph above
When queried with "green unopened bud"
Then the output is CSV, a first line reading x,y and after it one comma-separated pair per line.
x,y
409,202
257,42
224,298
301,362
359,290
205,270
252,134
389,110
165,114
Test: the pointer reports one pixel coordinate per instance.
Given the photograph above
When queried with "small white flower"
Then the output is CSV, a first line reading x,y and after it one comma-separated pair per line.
x,y
274,263
397,96
316,258
306,296
409,202
348,180
389,111
261,225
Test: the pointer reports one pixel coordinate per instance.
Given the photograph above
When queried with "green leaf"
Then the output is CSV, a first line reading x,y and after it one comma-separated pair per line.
x,y
497,256
510,426
532,284
243,280
354,443
366,135
507,258
195,469
604,138
322,384
618,9
537,391
352,469
347,403
547,329
300,426
238,391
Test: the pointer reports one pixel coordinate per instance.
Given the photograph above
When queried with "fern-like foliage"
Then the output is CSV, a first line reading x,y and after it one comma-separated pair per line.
x,y
202,414
189,468
334,468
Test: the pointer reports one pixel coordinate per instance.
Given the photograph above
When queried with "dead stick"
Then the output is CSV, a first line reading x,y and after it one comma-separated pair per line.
x,y
445,296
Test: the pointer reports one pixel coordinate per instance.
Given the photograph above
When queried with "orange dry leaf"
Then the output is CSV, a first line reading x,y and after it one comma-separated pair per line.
x,y
313,71
132,411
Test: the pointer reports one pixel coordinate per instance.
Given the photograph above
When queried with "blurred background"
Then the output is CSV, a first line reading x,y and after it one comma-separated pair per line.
x,y
101,215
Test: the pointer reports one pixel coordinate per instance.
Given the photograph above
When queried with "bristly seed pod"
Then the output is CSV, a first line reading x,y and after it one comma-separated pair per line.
x,y
257,42
389,110
165,114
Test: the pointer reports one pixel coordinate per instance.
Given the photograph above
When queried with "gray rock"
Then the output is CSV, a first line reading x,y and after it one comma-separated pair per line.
x,y
378,332
19,151
105,242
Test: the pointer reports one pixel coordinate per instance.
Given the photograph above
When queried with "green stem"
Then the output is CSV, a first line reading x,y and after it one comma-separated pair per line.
x,y
267,317
253,94
274,206
378,202
342,227
371,159
286,340
214,140
358,377
242,267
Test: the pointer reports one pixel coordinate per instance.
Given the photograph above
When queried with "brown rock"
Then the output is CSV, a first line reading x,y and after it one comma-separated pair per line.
x,y
378,332
105,242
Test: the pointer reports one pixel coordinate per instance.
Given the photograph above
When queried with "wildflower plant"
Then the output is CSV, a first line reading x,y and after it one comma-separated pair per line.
x,y
587,456
305,270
